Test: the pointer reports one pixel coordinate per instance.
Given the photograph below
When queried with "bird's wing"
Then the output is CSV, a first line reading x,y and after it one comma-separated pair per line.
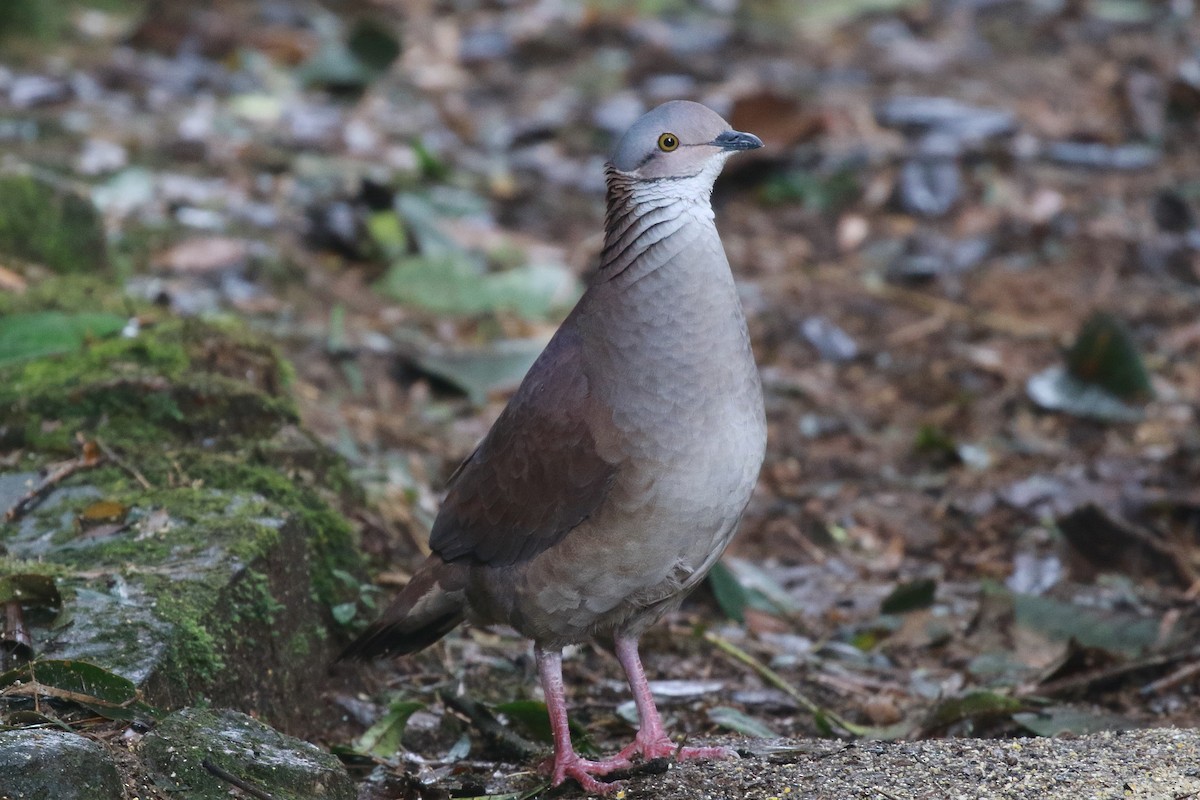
x,y
535,476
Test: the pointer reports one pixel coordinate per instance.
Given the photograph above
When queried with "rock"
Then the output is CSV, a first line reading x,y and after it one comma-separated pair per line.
x,y
37,764
222,561
46,221
177,749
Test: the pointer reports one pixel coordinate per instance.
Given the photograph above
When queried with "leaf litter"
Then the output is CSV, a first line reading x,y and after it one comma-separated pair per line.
x,y
963,525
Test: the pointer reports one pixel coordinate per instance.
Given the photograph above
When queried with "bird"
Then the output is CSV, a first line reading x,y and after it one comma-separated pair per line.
x,y
618,472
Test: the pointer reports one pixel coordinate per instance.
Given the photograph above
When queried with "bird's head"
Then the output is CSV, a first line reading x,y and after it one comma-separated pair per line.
x,y
677,140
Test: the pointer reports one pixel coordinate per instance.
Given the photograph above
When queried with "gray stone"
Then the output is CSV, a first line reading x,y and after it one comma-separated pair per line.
x,y
286,768
55,765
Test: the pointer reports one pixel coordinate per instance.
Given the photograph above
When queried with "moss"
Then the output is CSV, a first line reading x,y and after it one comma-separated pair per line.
x,y
200,520
50,224
71,293
331,539
300,645
23,566
239,584
254,602
180,382
184,568
195,659
178,747
213,617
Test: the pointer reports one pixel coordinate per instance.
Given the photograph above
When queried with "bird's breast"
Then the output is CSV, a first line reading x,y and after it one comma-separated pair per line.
x,y
676,392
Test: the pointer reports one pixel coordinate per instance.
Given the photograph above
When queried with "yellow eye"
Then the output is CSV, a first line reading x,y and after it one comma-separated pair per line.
x,y
668,142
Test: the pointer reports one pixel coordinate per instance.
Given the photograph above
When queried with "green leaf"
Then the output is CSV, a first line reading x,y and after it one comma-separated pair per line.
x,y
387,232
457,284
480,371
28,718
432,167
739,584
934,441
532,717
32,18
972,706
740,722
1105,355
1113,631
1103,378
373,44
910,596
77,677
343,613
1058,720
105,693
383,738
819,192
731,596
48,333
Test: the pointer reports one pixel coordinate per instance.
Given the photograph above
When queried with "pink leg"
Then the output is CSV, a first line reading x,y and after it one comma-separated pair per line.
x,y
566,762
652,740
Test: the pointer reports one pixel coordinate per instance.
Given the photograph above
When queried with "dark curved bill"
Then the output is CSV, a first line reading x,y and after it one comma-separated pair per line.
x,y
736,140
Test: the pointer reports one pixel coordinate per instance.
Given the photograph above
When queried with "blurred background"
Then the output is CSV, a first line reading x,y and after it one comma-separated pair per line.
x,y
968,253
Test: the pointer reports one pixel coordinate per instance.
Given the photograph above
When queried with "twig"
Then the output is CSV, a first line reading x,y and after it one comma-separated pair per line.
x,y
1181,675
56,476
235,781
501,738
938,306
775,679
120,462
1084,681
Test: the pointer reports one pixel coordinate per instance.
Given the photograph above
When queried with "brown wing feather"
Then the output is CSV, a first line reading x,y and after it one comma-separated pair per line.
x,y
535,476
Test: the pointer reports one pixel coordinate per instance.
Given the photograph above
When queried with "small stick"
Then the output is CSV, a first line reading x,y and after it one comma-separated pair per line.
x,y
507,743
775,679
47,485
1178,676
235,781
120,462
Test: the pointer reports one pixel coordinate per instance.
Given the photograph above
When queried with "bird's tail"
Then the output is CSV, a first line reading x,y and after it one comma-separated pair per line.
x,y
428,608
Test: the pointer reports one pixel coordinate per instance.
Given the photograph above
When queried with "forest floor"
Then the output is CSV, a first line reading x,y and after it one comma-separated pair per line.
x,y
946,540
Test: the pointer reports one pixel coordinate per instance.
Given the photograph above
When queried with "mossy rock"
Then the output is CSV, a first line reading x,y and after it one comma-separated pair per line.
x,y
194,593
51,223
217,553
56,765
177,382
177,750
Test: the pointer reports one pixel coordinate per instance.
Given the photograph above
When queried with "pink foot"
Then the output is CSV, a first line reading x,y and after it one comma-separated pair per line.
x,y
581,770
661,746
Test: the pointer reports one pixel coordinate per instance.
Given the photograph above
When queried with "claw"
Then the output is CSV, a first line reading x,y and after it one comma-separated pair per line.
x,y
581,770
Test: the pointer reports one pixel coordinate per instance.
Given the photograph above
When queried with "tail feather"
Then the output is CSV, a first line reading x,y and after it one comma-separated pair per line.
x,y
423,612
